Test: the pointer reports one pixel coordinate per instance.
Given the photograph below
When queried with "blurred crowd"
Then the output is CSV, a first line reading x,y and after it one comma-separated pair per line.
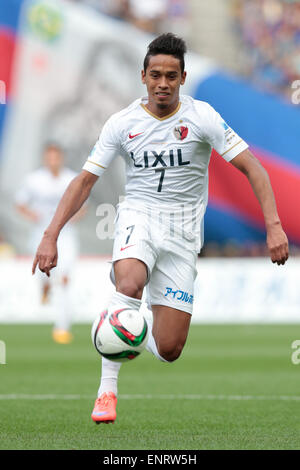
x,y
153,16
233,249
268,30
270,34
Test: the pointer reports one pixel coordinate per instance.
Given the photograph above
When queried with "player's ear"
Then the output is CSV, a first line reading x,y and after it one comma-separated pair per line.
x,y
183,77
143,74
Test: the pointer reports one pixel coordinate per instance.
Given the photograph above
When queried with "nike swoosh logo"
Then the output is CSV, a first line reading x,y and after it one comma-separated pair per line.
x,y
101,413
135,135
126,247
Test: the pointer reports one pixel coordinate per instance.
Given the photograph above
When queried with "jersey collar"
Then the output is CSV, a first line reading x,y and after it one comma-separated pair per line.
x,y
162,118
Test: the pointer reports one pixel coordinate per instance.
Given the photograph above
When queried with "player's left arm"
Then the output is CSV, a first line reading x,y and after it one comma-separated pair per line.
x,y
258,177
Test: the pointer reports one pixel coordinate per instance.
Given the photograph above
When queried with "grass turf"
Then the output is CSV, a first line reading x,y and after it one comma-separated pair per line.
x,y
228,361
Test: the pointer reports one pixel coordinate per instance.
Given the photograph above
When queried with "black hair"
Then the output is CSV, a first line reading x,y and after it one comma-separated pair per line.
x,y
169,44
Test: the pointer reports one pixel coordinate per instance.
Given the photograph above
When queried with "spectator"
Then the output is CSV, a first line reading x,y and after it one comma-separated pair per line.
x,y
270,32
115,8
152,16
148,14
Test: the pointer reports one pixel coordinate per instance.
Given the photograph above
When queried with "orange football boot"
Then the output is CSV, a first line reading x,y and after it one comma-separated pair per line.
x,y
62,336
105,408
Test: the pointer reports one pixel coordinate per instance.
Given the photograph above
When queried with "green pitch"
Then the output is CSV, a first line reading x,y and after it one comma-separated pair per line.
x,y
234,387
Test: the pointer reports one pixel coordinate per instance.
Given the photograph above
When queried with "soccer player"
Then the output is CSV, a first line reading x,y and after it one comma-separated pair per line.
x,y
36,201
166,141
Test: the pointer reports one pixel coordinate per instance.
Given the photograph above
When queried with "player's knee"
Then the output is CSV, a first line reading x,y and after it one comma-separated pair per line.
x,y
130,288
170,352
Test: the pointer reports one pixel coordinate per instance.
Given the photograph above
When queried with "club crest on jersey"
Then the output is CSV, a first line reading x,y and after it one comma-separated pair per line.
x,y
181,132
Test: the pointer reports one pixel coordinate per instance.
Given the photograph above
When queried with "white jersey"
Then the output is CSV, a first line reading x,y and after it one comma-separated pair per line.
x,y
41,192
166,158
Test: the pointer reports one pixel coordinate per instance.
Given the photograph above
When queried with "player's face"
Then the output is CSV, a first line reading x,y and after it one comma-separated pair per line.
x,y
53,160
163,78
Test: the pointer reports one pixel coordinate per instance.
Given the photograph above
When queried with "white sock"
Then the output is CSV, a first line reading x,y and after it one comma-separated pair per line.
x,y
109,376
121,300
110,369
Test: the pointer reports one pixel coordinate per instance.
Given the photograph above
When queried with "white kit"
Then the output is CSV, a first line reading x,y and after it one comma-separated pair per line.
x,y
166,189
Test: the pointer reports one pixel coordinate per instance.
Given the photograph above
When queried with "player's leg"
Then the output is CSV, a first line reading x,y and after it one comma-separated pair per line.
x,y
68,250
170,297
170,331
133,259
45,292
62,326
130,276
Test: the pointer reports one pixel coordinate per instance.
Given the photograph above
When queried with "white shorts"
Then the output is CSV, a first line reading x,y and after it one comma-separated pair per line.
x,y
170,260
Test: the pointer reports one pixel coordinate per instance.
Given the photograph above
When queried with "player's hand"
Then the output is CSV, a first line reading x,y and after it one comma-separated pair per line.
x,y
46,255
278,244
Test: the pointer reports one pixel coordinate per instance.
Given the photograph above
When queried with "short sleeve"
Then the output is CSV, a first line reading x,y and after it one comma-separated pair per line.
x,y
222,138
106,149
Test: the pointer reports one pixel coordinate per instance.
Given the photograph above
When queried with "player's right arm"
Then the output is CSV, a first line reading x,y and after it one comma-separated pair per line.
x,y
75,195
105,150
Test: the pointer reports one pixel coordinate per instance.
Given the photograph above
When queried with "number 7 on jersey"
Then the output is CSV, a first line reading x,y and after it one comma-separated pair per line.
x,y
162,171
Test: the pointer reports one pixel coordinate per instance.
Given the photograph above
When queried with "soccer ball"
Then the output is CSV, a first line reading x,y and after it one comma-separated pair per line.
x,y
121,335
